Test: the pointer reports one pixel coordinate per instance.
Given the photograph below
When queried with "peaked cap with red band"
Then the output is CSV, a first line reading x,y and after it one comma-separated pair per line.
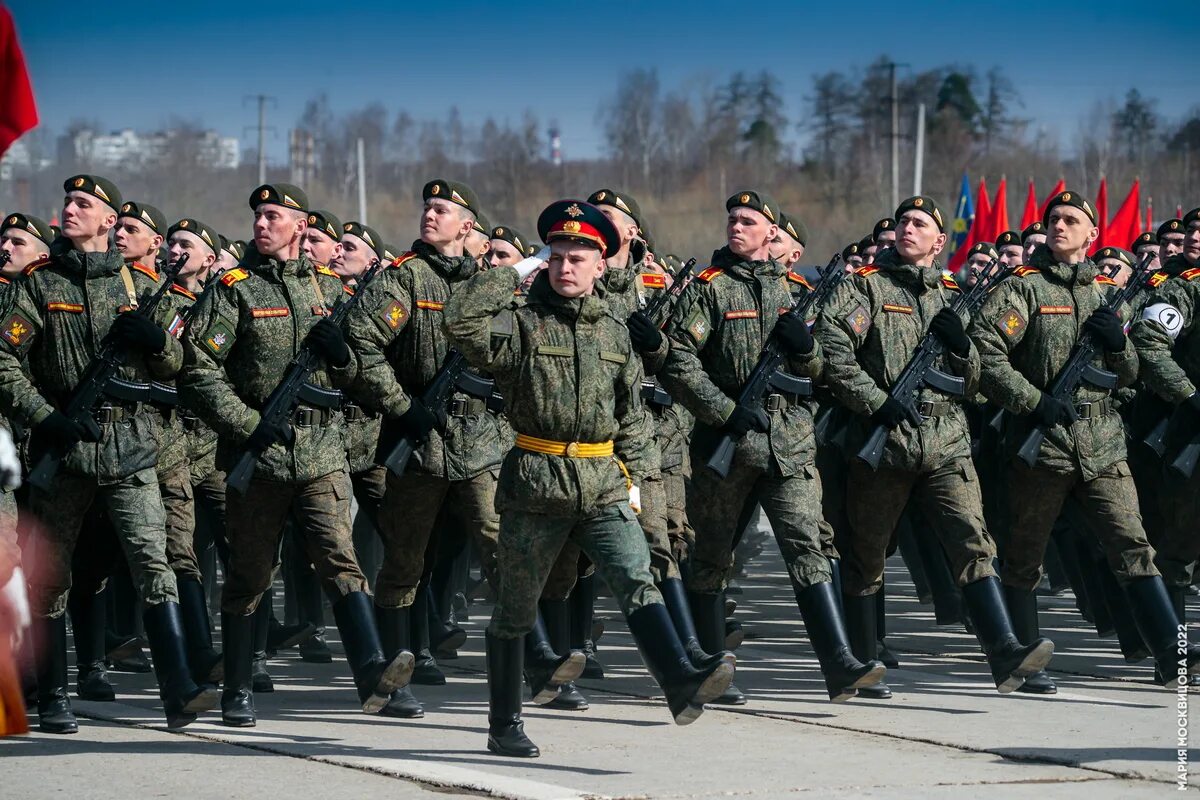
x,y
578,221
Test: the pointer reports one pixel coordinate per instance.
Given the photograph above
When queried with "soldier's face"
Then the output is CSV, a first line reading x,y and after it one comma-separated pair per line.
x,y
85,216
1070,230
1191,243
277,228
1170,244
622,222
868,254
1032,242
135,239
886,238
23,249
1145,249
918,237
1116,269
785,249
443,222
200,255
749,232
977,266
1011,255
504,254
320,247
477,245
224,262
357,257
574,268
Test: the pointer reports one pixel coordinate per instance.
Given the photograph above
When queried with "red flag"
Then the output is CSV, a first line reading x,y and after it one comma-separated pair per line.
x,y
1178,212
1125,225
18,112
1149,214
1058,187
1030,214
999,212
979,228
1101,218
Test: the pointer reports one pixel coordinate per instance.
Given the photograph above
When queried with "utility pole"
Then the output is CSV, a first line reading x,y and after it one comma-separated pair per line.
x,y
919,158
362,184
895,103
262,101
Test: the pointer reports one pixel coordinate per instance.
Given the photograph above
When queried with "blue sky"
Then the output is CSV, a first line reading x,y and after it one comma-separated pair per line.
x,y
139,64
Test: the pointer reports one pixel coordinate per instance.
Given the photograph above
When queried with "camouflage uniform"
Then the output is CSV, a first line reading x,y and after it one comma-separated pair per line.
x,y
869,330
245,330
1025,332
53,322
716,333
397,334
568,373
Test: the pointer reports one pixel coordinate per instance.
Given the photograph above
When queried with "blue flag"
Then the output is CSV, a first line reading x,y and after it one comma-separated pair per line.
x,y
964,215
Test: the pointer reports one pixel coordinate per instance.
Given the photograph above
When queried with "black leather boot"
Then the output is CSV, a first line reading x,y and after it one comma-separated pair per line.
x,y
844,674
708,614
862,635
260,678
1155,616
885,653
1011,662
237,698
445,636
310,602
583,625
1133,649
506,732
1022,609
394,634
1178,595
426,671
182,697
545,670
557,617
687,689
205,661
375,676
675,598
53,702
87,624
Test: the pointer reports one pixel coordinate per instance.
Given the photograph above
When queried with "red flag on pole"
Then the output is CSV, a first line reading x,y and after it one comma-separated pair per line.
x,y
979,229
1030,214
1125,225
1058,187
1101,217
1178,212
999,212
18,112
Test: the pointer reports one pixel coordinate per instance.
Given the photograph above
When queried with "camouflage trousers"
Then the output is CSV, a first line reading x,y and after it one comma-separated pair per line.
x,y
529,544
679,530
717,510
254,524
408,518
948,499
1109,504
8,522
180,507
135,509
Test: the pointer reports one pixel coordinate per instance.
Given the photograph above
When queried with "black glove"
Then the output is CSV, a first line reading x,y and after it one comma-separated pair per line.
x,y
417,422
794,335
745,419
138,331
948,327
893,412
59,429
643,333
1052,411
1107,328
327,340
266,435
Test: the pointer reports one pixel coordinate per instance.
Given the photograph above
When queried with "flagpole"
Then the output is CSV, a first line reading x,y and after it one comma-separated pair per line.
x,y
919,165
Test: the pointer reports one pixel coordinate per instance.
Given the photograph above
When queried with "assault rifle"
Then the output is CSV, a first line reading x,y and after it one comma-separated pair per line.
x,y
680,280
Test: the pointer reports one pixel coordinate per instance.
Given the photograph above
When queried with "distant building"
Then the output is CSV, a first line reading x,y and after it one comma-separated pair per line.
x,y
130,148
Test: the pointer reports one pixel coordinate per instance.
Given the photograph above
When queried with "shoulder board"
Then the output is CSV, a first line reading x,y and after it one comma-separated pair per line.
x,y
951,284
1104,279
147,271
710,273
652,280
34,266
234,275
348,290
1190,274
1157,278
324,270
4,279
796,277
865,271
404,257
177,289
1021,272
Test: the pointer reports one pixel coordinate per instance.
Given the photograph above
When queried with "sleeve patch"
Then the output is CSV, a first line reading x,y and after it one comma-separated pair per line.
x,y
1053,310
746,313
16,330
73,308
430,305
697,325
219,337
1167,315
273,311
394,314
897,309
859,320
1011,322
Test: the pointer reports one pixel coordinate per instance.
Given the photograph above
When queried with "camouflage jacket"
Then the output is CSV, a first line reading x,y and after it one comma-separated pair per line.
x,y
1165,332
568,374
54,322
398,335
716,332
244,334
1025,333
869,330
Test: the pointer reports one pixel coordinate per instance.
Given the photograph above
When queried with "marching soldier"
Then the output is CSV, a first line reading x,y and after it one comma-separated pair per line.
x,y
1033,235
25,239
141,230
1146,243
563,360
1025,332
479,240
1171,236
508,246
869,331
716,334
84,293
256,320
1009,250
979,264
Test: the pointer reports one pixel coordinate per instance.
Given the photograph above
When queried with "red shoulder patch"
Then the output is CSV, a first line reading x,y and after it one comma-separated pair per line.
x,y
951,284
710,273
234,275
652,280
1190,274
796,277
404,257
177,289
1104,279
348,290
865,271
147,271
1157,278
1021,272
34,266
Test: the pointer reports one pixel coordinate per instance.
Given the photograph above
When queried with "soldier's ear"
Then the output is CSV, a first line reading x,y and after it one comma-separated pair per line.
x,y
939,243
